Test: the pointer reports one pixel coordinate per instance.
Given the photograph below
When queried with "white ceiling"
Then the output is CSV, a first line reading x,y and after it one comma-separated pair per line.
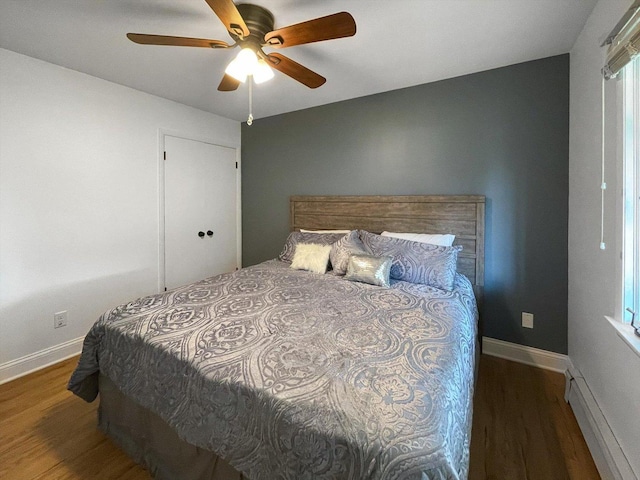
x,y
399,43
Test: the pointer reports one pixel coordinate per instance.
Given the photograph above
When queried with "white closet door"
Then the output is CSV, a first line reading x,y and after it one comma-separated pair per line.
x,y
200,210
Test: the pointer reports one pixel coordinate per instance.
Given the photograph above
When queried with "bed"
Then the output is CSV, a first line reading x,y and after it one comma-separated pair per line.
x,y
271,372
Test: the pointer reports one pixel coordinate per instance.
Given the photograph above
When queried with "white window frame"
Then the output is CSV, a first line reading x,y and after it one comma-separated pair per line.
x,y
621,322
630,143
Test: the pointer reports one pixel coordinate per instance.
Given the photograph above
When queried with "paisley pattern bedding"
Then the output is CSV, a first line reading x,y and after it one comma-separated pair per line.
x,y
293,375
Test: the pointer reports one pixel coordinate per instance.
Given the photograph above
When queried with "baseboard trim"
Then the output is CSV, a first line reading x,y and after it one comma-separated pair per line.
x,y
39,360
523,354
609,458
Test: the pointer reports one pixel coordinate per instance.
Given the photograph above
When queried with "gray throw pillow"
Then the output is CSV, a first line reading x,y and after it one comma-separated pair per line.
x,y
416,262
344,247
294,238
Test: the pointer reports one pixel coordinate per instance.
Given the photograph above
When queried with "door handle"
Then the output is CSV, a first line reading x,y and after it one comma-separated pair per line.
x,y
210,233
201,234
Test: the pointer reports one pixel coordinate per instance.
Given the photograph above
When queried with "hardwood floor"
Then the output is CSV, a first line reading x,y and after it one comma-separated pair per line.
x,y
48,433
522,429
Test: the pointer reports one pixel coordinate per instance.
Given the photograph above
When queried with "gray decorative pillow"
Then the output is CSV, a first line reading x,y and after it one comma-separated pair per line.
x,y
344,247
369,269
416,262
295,238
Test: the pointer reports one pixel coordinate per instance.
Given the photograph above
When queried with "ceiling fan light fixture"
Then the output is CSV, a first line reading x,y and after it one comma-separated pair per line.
x,y
234,70
243,65
262,72
251,27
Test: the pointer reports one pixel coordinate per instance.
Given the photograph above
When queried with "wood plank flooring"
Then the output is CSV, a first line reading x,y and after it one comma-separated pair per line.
x,y
522,429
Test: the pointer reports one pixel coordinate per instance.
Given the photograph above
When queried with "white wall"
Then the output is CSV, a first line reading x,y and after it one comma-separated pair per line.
x,y
611,369
78,199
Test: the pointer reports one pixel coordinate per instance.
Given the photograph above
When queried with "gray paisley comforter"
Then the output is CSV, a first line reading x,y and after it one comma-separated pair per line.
x,y
293,375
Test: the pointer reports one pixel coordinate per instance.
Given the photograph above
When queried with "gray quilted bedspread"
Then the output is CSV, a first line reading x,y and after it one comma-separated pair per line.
x,y
293,375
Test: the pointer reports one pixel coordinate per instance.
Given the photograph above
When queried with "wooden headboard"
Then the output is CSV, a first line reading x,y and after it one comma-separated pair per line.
x,y
461,215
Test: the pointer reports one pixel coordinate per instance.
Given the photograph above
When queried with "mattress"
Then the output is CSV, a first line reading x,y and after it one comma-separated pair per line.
x,y
290,374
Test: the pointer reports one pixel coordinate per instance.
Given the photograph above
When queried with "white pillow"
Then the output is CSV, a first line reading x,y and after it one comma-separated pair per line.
x,y
444,240
325,231
311,257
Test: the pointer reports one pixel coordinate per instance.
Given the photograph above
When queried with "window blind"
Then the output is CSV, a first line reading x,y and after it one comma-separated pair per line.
x,y
623,41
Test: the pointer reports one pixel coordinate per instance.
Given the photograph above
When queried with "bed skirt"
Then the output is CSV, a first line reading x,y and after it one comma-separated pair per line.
x,y
150,442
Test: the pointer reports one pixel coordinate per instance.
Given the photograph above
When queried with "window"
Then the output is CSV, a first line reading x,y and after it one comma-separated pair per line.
x,y
631,187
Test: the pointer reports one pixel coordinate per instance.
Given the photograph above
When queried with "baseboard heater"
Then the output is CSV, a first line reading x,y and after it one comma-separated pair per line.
x,y
609,458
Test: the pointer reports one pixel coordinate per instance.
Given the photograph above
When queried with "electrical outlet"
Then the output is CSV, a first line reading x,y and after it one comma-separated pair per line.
x,y
527,320
60,319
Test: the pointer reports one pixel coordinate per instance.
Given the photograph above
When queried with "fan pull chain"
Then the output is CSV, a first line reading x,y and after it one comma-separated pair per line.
x,y
250,119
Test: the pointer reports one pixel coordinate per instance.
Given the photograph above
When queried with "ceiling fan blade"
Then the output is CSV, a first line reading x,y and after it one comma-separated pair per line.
x,y
338,25
228,84
145,39
296,71
228,13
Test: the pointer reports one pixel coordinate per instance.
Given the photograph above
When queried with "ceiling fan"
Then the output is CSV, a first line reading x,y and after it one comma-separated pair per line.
x,y
251,28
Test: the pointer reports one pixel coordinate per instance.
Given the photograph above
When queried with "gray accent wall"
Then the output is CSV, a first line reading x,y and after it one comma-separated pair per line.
x,y
502,133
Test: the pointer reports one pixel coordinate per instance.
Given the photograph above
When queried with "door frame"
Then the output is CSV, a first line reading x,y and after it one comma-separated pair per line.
x,y
162,133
